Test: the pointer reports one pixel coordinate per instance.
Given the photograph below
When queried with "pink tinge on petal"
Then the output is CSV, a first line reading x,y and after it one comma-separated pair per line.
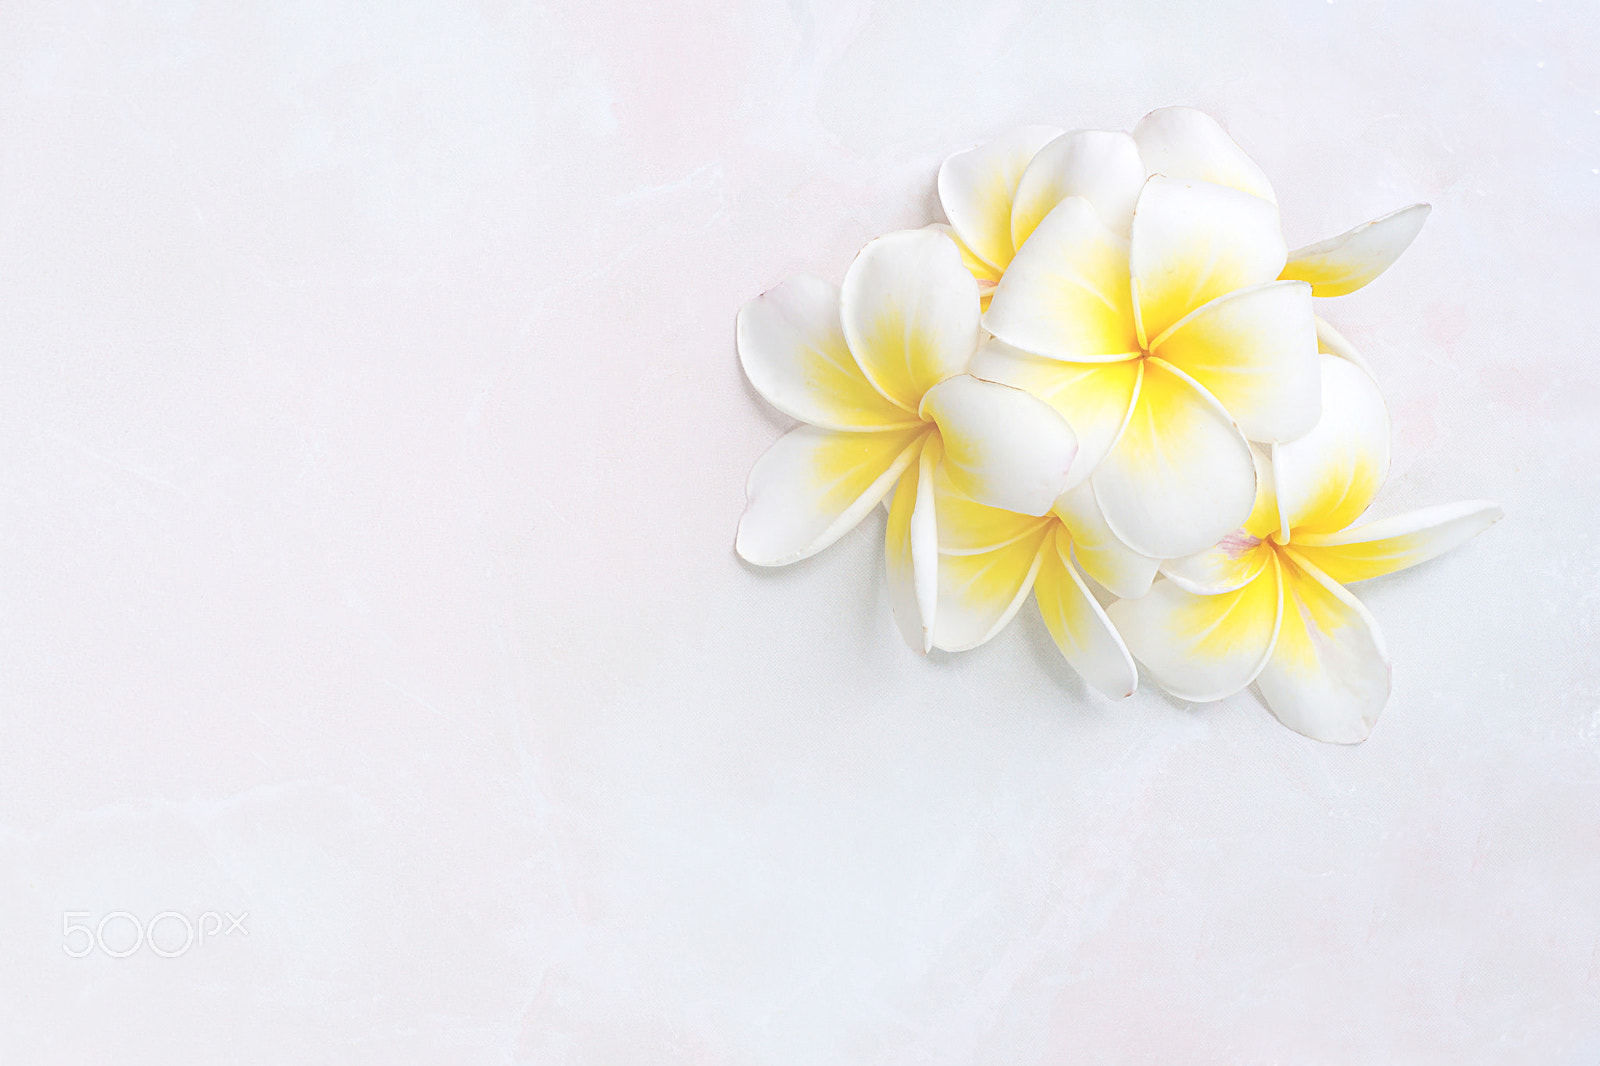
x,y
1238,543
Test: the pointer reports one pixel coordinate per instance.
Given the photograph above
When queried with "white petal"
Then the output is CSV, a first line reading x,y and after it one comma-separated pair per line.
x,y
814,485
980,593
1181,142
967,527
1236,559
1331,342
1102,166
1192,242
1233,563
976,189
1181,475
1067,294
985,275
1079,624
1117,567
909,310
1002,446
1391,544
1328,677
1344,263
1327,478
1203,648
1093,397
793,352
1255,350
911,549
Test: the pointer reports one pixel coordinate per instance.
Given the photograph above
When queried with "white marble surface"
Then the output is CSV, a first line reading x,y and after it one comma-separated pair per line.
x,y
371,446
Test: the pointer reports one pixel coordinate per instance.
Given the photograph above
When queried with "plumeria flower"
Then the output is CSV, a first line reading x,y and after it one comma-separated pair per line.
x,y
989,559
1165,349
1154,303
1268,604
876,371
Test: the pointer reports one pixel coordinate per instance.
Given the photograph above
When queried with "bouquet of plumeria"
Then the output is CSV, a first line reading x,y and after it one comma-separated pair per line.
x,y
1105,381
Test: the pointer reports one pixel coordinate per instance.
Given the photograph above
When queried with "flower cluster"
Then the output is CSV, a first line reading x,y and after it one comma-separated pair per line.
x,y
1106,368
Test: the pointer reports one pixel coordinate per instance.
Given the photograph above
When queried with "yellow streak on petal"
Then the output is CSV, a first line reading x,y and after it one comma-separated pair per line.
x,y
793,350
1226,625
1357,562
1067,294
1160,422
830,372
1345,263
911,555
993,577
967,527
1092,397
1078,624
1327,278
1255,350
979,593
845,465
1086,294
1025,218
1099,293
1193,242
1313,622
990,214
1066,610
1180,477
1350,479
1390,544
900,358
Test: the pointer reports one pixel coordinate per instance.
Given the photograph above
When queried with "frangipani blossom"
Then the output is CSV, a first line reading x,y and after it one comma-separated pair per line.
x,y
1146,312
1108,357
877,372
1268,604
1165,349
990,558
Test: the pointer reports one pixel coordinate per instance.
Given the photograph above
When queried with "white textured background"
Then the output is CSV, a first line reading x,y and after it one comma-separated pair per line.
x,y
371,446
